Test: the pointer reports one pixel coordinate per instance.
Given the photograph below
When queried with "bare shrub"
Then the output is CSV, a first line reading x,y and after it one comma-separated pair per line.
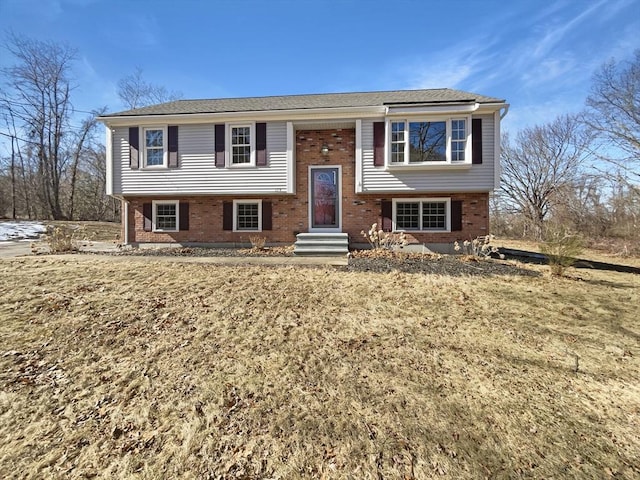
x,y
257,242
561,248
65,238
379,239
479,247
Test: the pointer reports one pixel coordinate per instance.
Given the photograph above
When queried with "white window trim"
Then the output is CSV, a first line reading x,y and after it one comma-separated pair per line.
x,y
153,215
165,150
446,200
235,214
252,145
429,165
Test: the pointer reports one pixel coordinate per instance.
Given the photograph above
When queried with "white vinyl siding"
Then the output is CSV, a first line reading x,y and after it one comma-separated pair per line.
x,y
197,173
474,178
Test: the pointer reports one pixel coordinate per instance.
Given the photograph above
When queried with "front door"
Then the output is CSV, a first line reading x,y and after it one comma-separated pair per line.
x,y
324,199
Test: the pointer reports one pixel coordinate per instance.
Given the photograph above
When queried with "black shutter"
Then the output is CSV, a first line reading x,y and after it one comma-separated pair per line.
x,y
134,147
378,144
261,144
184,215
456,215
219,138
227,215
172,133
147,213
267,212
476,143
387,215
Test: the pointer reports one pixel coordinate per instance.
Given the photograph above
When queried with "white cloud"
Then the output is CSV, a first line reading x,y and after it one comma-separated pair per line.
x,y
558,28
454,66
552,69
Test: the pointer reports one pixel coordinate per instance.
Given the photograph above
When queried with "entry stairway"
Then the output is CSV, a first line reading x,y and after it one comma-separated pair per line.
x,y
321,244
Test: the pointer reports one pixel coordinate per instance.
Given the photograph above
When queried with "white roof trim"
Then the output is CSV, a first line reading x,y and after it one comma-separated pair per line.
x,y
272,115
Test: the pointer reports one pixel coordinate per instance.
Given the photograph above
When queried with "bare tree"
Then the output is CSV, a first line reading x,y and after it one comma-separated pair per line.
x,y
539,162
614,112
38,98
135,92
79,149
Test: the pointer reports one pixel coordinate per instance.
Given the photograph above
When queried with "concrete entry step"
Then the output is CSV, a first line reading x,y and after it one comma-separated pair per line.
x,y
321,244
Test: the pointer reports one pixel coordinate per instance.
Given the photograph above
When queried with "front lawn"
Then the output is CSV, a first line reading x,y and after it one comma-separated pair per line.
x,y
147,369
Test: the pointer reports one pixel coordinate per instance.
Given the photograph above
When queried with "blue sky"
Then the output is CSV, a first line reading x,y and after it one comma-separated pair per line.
x,y
538,55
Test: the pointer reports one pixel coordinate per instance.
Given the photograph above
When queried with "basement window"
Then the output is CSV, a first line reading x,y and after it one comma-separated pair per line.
x,y
425,214
165,216
247,215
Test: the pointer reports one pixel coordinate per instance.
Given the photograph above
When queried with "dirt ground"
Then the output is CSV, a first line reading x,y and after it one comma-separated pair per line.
x,y
148,369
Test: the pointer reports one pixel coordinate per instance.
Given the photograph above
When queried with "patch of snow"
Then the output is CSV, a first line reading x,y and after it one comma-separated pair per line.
x,y
21,230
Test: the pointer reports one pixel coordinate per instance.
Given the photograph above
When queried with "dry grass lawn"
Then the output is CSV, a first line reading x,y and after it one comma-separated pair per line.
x,y
98,231
147,369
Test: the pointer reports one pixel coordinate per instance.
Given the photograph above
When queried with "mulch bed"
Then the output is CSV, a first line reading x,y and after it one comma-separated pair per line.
x,y
375,261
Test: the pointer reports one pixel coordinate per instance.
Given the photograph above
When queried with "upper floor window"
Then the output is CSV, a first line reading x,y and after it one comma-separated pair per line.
x,y
154,147
241,142
425,142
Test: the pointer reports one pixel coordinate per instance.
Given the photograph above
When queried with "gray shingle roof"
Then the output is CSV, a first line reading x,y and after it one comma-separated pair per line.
x,y
301,102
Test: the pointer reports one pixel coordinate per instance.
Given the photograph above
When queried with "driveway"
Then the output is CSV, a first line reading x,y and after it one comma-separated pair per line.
x,y
19,248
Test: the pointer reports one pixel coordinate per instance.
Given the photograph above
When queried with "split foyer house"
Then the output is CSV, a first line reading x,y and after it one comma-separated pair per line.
x,y
220,171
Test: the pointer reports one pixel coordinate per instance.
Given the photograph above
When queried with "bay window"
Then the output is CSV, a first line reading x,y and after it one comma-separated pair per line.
x,y
428,141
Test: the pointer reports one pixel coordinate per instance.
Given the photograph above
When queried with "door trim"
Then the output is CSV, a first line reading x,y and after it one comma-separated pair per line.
x,y
338,229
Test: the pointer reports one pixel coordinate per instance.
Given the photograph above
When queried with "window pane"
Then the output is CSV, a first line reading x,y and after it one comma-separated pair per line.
x,y
166,216
427,142
247,216
407,216
155,156
240,135
434,215
241,155
397,152
153,138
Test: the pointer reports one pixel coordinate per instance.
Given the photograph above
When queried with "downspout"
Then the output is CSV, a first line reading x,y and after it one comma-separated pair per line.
x,y
504,110
125,219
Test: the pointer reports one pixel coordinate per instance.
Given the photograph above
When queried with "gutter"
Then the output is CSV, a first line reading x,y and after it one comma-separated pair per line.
x,y
254,115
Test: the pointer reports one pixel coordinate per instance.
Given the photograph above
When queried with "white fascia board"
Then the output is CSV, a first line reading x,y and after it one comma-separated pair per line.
x,y
254,116
109,160
434,109
491,108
